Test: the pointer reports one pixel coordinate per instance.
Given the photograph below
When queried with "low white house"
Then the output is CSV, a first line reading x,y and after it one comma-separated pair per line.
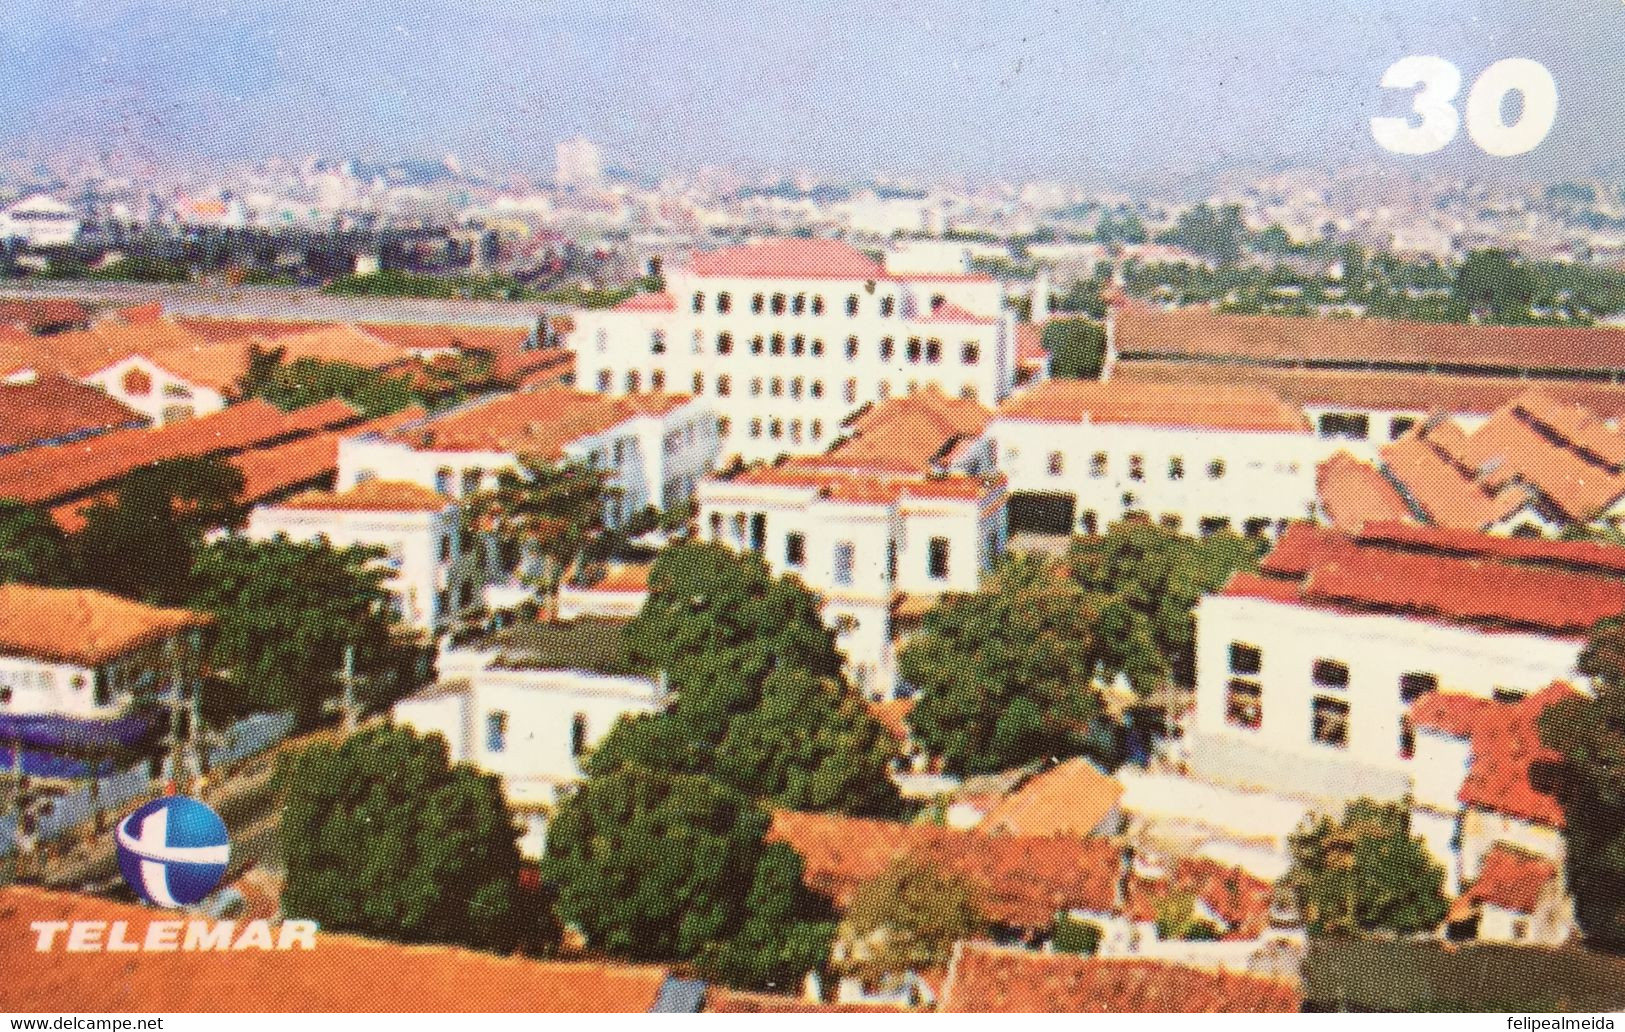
x,y
1200,459
530,726
434,575
40,221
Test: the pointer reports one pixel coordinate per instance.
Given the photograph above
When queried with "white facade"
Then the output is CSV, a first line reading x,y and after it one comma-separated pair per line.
x,y
530,727
784,359
155,392
860,550
578,164
40,221
1382,657
1204,479
431,578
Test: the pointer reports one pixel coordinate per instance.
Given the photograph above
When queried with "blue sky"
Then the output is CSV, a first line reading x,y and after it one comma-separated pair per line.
x,y
1058,88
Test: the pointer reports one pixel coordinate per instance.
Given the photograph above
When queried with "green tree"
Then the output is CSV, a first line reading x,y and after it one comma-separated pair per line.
x,y
554,511
908,918
1494,286
1077,348
1366,873
286,611
1143,581
384,837
1007,675
760,701
1589,734
141,544
653,865
33,549
263,365
306,381
1218,235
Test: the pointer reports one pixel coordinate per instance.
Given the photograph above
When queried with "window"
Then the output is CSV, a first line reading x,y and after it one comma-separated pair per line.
x,y
698,383
1256,527
725,343
795,549
1215,469
471,480
756,345
1212,525
1136,467
1414,686
851,348
578,735
815,389
102,688
798,304
724,425
933,351
777,346
465,595
1328,673
1170,521
1245,659
795,387
845,561
775,429
756,386
756,304
887,349
888,305
795,431
605,378
1399,426
657,343
725,301
1244,703
817,429
1508,695
756,428
912,351
1097,464
852,304
634,382
882,390
1330,722
496,731
1057,463
936,561
850,391
699,301
891,561
716,526
775,387
1089,523
1176,468
1407,737
817,349
724,386
1345,425
968,392
777,304
657,380
798,345
818,304
758,531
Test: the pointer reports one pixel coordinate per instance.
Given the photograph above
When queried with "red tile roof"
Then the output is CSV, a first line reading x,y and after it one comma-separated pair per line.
x,y
1207,408
1448,495
372,496
1511,879
270,471
344,973
1450,713
908,434
81,626
53,407
873,489
40,313
661,302
1072,798
792,258
60,472
1030,350
1576,555
1201,333
893,716
1506,748
538,422
948,312
984,979
1353,493
1302,547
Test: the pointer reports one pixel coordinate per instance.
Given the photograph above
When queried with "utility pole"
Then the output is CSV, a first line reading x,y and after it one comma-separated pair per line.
x,y
348,679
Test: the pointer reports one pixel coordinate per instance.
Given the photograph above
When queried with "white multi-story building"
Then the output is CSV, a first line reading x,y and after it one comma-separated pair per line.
x,y
1194,458
1306,672
906,508
40,221
434,576
87,655
579,164
656,447
787,338
532,727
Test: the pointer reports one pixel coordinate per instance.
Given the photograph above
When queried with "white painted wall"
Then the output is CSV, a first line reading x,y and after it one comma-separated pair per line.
x,y
170,399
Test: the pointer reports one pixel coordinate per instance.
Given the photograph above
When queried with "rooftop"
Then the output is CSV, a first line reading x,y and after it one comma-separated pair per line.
x,y
81,626
1511,879
1114,402
1353,493
52,408
372,496
990,979
791,258
1071,798
539,423
910,434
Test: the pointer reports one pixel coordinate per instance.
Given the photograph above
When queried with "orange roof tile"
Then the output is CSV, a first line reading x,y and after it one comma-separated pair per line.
x,y
1353,493
1072,798
270,471
52,408
372,496
39,313
1506,749
985,979
872,489
908,434
538,423
344,973
1206,408
1450,713
792,258
81,626
948,312
1511,879
1030,350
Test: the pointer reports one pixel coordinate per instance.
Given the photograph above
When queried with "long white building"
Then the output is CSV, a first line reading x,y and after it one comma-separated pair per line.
x,y
785,339
1197,459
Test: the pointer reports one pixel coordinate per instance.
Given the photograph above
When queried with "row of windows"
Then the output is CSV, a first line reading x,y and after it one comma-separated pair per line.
x,y
776,429
794,304
753,527
496,732
775,387
915,350
1356,426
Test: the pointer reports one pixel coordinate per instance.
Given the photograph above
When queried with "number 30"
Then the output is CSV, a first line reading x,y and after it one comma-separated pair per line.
x,y
1440,81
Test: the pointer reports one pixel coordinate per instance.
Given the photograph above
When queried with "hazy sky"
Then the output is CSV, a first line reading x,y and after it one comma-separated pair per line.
x,y
966,86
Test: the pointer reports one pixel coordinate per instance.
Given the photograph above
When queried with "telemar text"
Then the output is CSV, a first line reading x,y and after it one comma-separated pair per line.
x,y
170,936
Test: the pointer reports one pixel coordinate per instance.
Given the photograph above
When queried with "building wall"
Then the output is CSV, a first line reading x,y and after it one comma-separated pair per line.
x,y
1482,829
34,686
1190,474
794,402
166,399
1377,649
429,589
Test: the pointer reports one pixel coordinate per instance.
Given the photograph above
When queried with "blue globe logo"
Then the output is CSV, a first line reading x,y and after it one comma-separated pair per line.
x,y
173,851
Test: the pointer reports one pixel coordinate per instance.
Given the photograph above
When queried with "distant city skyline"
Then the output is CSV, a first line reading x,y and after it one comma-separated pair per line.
x,y
1094,90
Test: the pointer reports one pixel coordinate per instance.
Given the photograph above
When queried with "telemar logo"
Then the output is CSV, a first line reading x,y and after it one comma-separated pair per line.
x,y
173,851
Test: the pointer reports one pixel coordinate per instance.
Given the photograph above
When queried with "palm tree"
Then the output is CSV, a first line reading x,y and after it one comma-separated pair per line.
x,y
33,549
554,510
